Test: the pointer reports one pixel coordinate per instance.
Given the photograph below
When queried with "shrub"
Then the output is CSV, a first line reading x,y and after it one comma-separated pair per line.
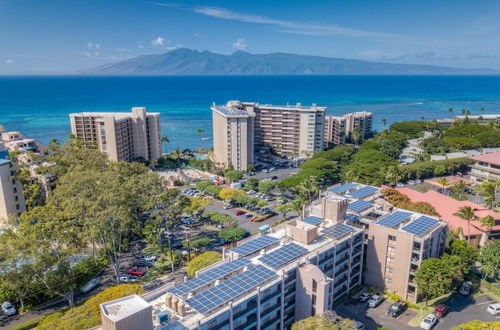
x,y
460,142
27,325
402,201
233,175
201,185
230,193
477,325
263,217
489,138
87,315
232,234
202,261
412,129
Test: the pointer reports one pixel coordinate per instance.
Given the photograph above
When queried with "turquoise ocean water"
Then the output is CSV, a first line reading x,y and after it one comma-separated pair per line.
x,y
39,106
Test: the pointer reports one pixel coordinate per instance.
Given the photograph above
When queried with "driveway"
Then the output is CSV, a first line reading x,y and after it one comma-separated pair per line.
x,y
374,318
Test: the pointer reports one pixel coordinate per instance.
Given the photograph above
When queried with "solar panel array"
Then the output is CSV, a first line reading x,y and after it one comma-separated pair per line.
x,y
359,205
312,220
394,219
209,276
363,192
420,225
255,245
230,289
338,230
343,188
283,255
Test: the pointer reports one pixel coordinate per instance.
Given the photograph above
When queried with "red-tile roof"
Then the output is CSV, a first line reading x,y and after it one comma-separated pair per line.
x,y
492,158
447,206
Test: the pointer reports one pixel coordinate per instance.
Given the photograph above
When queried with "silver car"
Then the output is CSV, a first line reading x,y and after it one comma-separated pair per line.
x,y
8,308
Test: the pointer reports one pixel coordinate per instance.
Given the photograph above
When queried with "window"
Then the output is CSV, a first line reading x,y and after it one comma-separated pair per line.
x,y
392,238
314,286
388,270
391,249
314,300
387,280
390,260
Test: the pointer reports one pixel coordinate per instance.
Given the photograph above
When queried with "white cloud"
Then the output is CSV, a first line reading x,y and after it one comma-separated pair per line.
x,y
158,41
9,61
173,47
240,44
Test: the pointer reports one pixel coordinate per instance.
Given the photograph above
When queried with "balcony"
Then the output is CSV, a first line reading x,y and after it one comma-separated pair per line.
x,y
270,296
342,272
342,261
247,311
250,324
271,324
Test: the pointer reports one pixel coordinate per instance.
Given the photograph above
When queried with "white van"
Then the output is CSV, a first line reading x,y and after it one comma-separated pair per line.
x,y
494,309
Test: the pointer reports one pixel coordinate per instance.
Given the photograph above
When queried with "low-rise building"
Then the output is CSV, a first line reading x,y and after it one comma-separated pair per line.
x,y
123,136
127,313
486,167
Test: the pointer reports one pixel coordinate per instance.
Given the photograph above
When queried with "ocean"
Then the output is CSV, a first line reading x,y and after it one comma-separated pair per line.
x,y
39,106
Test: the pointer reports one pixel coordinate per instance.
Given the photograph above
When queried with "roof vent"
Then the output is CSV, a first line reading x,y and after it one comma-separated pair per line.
x,y
263,252
217,283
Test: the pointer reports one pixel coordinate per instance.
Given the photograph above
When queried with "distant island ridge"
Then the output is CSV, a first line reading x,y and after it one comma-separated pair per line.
x,y
188,62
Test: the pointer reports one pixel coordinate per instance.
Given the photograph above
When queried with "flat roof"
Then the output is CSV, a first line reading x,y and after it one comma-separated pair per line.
x,y
122,308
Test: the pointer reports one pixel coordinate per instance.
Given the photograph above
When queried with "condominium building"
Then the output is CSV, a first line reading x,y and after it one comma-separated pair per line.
x,y
242,129
338,129
397,244
270,281
123,136
486,167
11,190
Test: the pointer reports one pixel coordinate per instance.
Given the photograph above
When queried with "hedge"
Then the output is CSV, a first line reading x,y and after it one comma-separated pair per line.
x,y
395,297
28,324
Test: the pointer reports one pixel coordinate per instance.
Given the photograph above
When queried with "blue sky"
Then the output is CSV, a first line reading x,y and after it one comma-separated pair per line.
x,y
62,36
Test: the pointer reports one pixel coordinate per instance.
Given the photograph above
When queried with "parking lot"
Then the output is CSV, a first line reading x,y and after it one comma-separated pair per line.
x,y
462,310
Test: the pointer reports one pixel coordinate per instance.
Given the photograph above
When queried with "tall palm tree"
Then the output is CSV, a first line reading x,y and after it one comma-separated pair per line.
x,y
356,135
200,132
422,118
384,122
481,109
463,112
466,213
309,188
164,140
177,154
488,221
444,182
450,110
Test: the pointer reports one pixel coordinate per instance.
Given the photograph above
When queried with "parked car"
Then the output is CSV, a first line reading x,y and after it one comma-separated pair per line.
x,y
429,321
142,263
127,279
365,296
90,285
240,212
136,272
252,219
397,308
375,300
248,215
493,309
149,257
227,207
274,177
251,192
465,289
8,308
441,311
188,220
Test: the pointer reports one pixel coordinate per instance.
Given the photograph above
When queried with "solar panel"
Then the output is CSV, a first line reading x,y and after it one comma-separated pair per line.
x,y
343,188
254,245
359,205
283,255
230,289
394,219
312,220
209,276
420,225
338,230
363,192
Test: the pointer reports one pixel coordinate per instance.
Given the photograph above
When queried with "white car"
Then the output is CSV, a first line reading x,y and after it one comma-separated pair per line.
x,y
127,279
429,321
149,257
374,301
8,308
494,309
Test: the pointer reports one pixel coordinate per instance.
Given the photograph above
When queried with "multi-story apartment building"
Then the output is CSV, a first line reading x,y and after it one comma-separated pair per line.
x,y
338,129
243,128
486,167
123,136
270,281
397,244
11,190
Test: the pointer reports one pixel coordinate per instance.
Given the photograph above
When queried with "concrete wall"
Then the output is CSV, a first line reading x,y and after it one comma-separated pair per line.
x,y
304,300
9,190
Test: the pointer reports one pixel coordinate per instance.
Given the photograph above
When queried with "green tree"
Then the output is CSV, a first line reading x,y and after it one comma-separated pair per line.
x,y
477,325
252,184
450,110
356,135
232,234
488,221
283,209
466,213
265,187
488,190
233,175
321,322
164,140
490,258
434,278
230,193
384,122
177,155
202,261
467,257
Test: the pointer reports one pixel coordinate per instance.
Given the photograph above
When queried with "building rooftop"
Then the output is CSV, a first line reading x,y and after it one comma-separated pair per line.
x,y
121,308
492,158
447,207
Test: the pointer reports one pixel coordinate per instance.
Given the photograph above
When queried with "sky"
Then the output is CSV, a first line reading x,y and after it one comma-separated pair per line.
x,y
64,36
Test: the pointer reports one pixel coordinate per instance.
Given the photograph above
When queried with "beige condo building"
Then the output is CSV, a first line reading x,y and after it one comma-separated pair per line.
x,y
242,129
11,191
123,136
340,128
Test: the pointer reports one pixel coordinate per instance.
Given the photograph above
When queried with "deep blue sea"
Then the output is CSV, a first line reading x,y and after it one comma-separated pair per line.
x,y
39,106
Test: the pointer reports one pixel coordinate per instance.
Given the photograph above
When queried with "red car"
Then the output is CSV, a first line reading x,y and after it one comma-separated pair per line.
x,y
441,311
252,219
240,212
136,272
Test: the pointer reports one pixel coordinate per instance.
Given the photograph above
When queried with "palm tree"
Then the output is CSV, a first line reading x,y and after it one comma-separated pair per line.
x,y
481,109
384,122
309,188
164,140
422,118
450,110
466,213
488,221
444,182
177,154
488,190
200,132
468,113
463,112
356,135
